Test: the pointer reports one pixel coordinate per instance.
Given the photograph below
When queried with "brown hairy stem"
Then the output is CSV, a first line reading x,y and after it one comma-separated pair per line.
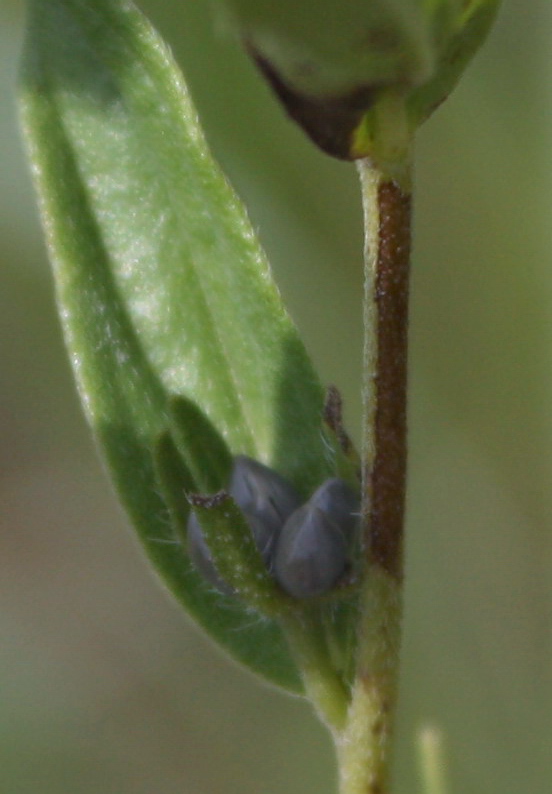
x,y
365,746
387,478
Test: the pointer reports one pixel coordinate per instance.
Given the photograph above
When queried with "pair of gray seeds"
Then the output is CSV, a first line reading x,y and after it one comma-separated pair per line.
x,y
306,547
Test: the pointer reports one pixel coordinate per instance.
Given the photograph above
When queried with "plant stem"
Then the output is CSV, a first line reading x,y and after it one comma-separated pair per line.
x,y
387,209
364,746
323,687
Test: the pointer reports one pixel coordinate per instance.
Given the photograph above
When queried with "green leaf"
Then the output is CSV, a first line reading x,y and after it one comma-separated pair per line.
x,y
258,644
471,30
163,290
200,445
235,554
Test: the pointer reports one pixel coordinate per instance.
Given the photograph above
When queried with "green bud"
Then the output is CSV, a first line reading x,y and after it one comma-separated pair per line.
x,y
338,67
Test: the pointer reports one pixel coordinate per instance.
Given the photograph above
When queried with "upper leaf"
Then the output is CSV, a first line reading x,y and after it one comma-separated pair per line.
x,y
163,289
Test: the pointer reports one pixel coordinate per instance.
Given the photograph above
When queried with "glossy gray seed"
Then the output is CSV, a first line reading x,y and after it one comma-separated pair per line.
x,y
262,492
311,553
339,501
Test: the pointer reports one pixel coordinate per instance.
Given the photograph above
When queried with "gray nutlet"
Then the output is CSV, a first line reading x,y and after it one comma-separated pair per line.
x,y
314,545
341,503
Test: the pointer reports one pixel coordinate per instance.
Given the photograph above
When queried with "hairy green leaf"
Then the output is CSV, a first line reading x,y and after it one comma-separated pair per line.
x,y
198,442
163,290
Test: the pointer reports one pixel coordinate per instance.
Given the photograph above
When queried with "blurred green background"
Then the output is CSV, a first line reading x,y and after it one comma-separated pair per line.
x,y
104,686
